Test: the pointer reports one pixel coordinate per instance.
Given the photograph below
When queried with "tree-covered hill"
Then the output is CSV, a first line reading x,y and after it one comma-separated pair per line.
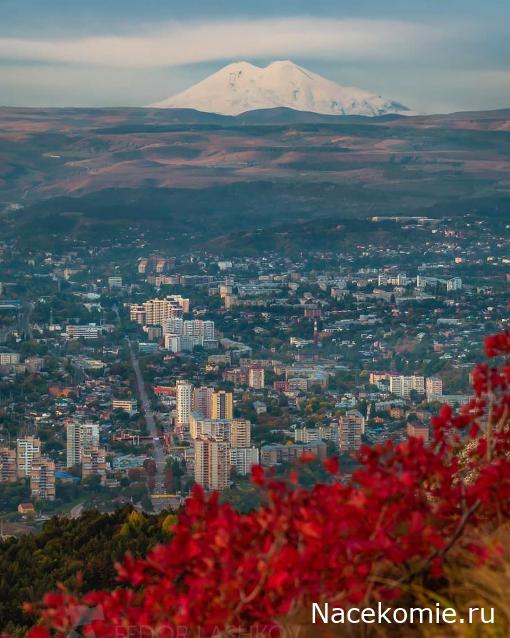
x,y
90,545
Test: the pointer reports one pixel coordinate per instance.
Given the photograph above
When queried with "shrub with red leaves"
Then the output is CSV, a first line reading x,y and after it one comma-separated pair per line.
x,y
402,514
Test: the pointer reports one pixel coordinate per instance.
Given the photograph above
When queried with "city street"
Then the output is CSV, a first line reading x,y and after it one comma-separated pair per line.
x,y
145,407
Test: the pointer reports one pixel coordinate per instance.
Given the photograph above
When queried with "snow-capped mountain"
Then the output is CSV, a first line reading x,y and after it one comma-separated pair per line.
x,y
241,87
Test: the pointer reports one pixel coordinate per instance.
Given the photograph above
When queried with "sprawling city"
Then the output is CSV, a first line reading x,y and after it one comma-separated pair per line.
x,y
127,378
254,319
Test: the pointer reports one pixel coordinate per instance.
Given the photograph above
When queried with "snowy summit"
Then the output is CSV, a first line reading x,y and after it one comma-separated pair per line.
x,y
241,87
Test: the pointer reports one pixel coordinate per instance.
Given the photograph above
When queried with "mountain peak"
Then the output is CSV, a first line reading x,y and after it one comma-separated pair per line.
x,y
282,63
243,86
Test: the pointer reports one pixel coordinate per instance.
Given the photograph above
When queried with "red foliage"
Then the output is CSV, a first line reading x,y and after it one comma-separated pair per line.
x,y
406,508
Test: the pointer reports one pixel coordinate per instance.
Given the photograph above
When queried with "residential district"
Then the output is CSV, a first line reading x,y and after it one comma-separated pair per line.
x,y
128,374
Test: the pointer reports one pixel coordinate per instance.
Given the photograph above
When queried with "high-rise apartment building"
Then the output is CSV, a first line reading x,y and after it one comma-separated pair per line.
x,y
183,336
184,402
199,328
42,479
256,377
81,436
243,458
402,385
240,433
89,436
173,326
354,416
73,440
349,436
179,300
236,432
195,424
28,449
159,310
155,312
222,405
351,426
322,433
137,313
434,388
8,467
201,448
93,463
202,400
218,429
379,377
212,463
307,435
73,443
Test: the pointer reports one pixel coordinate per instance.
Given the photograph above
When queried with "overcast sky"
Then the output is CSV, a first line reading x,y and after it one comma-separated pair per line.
x,y
432,55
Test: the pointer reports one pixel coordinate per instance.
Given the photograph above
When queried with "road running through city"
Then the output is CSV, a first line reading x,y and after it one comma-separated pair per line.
x,y
145,406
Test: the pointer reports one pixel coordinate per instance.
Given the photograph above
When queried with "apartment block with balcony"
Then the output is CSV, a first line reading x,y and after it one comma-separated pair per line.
x,y
42,479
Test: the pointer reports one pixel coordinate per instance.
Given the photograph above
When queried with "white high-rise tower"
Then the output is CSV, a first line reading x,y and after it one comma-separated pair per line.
x,y
184,400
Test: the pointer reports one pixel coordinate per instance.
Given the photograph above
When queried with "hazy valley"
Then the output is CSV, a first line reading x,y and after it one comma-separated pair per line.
x,y
78,167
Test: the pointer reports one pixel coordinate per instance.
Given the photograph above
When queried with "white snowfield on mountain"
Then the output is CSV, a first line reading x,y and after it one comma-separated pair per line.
x,y
241,87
